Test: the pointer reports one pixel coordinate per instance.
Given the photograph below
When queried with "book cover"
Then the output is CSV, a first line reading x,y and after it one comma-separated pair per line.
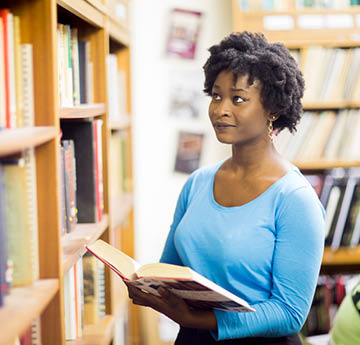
x,y
195,289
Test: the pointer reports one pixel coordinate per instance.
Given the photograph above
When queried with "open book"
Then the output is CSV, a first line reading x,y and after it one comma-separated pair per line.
x,y
196,290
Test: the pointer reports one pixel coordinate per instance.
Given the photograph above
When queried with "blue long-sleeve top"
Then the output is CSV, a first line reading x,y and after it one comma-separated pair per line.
x,y
267,251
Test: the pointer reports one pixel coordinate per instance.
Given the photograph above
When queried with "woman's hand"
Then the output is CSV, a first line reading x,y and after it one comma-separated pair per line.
x,y
169,304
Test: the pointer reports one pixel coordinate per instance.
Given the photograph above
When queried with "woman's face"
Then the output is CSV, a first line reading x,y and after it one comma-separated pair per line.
x,y
236,111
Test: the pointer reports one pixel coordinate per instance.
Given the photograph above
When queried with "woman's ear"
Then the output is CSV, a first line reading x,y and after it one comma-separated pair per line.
x,y
273,117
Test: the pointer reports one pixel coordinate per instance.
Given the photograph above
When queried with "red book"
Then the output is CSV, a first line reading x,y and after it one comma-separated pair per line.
x,y
4,15
97,190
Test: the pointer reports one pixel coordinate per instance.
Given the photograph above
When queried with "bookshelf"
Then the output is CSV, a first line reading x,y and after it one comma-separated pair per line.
x,y
105,31
299,29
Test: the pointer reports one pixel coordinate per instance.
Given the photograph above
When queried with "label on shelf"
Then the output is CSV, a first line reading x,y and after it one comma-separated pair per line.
x,y
278,22
339,21
311,21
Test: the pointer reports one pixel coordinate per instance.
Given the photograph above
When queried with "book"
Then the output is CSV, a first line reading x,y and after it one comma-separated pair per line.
x,y
195,289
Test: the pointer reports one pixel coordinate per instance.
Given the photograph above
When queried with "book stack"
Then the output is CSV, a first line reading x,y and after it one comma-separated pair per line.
x,y
19,256
83,198
75,69
16,74
116,85
325,135
339,192
337,74
330,292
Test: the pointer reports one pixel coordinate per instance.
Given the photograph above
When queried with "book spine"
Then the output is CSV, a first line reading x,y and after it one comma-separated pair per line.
x,y
4,14
27,85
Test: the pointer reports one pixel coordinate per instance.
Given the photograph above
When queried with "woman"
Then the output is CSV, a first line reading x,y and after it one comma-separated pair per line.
x,y
251,223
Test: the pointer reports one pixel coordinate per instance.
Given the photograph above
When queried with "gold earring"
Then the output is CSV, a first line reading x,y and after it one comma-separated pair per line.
x,y
270,131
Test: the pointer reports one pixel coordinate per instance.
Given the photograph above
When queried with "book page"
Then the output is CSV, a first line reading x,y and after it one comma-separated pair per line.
x,y
118,261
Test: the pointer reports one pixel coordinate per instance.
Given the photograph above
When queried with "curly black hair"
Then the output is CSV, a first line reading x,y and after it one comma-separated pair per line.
x,y
282,84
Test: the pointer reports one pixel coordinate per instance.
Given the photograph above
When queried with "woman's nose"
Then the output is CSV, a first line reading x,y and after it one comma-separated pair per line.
x,y
223,109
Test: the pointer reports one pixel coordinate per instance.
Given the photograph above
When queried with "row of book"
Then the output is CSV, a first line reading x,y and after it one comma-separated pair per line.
x,y
326,135
116,89
16,74
84,295
75,68
337,73
329,294
339,192
287,5
19,257
81,177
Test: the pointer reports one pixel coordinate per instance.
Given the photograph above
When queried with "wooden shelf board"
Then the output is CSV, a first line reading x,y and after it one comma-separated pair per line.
x,y
84,10
100,333
83,111
17,139
73,243
330,105
342,256
122,124
323,165
24,304
120,208
98,5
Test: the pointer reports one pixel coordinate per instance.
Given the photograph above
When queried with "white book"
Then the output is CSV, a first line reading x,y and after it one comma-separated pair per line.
x,y
75,66
69,304
27,85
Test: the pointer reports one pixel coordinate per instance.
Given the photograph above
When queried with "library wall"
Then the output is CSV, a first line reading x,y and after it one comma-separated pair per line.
x,y
155,130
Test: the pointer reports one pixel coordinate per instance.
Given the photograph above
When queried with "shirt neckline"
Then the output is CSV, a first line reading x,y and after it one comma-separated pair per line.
x,y
231,208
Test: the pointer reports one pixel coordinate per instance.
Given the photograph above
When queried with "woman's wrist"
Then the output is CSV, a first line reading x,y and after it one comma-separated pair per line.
x,y
201,320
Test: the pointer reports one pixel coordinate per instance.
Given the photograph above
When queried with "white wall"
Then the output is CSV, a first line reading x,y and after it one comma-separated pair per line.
x,y
154,131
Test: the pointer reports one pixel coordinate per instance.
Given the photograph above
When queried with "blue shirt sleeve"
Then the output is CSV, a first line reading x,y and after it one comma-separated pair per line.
x,y
170,254
299,222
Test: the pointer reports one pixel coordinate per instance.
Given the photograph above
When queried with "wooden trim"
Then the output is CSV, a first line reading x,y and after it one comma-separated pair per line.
x,y
83,111
100,333
24,304
342,256
323,165
120,209
73,243
83,10
18,139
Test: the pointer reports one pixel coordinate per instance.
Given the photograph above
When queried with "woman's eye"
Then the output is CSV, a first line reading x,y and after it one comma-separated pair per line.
x,y
216,97
238,99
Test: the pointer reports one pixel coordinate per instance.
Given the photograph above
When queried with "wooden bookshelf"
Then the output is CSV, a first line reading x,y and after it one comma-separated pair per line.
x,y
45,299
18,139
83,111
324,165
330,105
22,305
84,10
295,35
342,256
96,334
73,243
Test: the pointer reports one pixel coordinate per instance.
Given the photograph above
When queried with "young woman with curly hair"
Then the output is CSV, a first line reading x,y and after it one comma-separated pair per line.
x,y
251,223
